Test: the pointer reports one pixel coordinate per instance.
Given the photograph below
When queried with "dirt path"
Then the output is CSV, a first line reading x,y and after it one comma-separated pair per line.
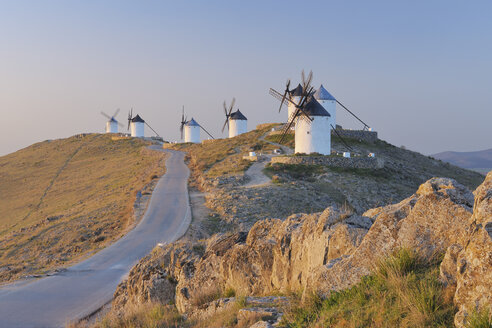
x,y
255,172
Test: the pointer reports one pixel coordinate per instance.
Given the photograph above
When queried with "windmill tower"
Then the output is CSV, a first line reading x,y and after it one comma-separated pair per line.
x,y
136,125
112,123
295,96
191,130
313,136
328,102
236,122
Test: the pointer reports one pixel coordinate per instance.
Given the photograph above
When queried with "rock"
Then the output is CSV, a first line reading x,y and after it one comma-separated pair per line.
x,y
261,324
153,279
429,221
275,255
474,262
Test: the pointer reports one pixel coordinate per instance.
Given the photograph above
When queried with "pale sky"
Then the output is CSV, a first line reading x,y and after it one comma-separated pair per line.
x,y
418,72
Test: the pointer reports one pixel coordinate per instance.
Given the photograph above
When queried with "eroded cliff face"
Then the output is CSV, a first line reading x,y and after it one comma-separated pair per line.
x,y
329,251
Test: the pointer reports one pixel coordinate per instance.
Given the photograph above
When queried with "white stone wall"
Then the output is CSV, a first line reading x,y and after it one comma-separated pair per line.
x,y
192,133
314,137
237,127
137,129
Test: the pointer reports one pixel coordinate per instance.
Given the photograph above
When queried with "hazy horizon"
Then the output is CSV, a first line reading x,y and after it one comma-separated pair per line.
x,y
419,73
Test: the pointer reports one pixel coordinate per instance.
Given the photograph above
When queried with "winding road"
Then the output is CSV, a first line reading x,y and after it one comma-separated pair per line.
x,y
83,288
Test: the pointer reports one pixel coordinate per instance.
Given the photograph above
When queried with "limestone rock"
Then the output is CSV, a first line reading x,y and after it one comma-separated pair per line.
x,y
474,262
430,221
153,279
275,255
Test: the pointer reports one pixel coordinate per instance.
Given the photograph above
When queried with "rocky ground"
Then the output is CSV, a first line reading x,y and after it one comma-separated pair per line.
x,y
315,229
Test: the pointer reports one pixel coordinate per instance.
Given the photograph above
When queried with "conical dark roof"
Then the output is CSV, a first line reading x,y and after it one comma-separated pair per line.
x,y
314,108
192,122
137,119
113,120
237,115
297,92
323,94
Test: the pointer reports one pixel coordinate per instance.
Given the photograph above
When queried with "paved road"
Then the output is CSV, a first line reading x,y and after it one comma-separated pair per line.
x,y
83,288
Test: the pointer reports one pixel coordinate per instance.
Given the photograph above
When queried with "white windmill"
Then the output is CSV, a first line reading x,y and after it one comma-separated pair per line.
x,y
112,123
136,125
236,122
191,130
313,117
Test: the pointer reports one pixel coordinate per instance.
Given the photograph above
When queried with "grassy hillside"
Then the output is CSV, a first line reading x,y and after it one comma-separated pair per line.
x,y
225,156
64,198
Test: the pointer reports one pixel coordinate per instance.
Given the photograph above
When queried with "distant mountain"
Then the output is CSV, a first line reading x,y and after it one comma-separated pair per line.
x,y
468,160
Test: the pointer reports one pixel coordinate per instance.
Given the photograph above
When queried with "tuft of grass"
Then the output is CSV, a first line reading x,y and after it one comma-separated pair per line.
x,y
229,292
479,319
143,315
404,291
206,295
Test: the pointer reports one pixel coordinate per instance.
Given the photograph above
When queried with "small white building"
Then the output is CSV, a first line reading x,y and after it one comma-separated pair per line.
x,y
328,102
137,127
295,96
238,124
192,131
112,126
314,136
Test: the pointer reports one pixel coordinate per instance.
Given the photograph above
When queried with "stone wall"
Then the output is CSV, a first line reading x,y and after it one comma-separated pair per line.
x,y
361,135
368,136
353,162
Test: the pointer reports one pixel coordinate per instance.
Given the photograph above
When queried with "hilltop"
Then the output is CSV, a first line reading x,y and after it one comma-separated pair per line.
x,y
64,199
260,249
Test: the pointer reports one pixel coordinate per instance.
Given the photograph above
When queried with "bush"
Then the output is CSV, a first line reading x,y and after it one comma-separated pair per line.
x,y
479,319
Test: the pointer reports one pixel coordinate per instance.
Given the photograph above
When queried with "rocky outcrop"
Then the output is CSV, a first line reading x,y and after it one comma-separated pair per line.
x,y
429,221
274,256
153,278
329,251
469,265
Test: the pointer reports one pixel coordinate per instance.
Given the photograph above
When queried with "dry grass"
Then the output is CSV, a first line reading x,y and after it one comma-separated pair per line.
x,y
404,291
145,315
65,198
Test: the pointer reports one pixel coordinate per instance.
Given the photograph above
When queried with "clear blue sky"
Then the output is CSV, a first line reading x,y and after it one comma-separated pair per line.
x,y
419,72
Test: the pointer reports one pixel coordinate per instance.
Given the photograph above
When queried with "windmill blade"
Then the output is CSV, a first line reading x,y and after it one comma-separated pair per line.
x,y
338,134
206,131
121,125
129,120
287,126
306,82
285,95
116,113
365,125
279,96
157,134
181,130
232,105
106,115
226,123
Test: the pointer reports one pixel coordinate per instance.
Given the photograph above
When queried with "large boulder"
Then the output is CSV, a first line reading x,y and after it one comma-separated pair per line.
x,y
473,267
429,221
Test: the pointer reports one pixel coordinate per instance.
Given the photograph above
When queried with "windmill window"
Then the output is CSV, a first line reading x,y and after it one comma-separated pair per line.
x,y
308,132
